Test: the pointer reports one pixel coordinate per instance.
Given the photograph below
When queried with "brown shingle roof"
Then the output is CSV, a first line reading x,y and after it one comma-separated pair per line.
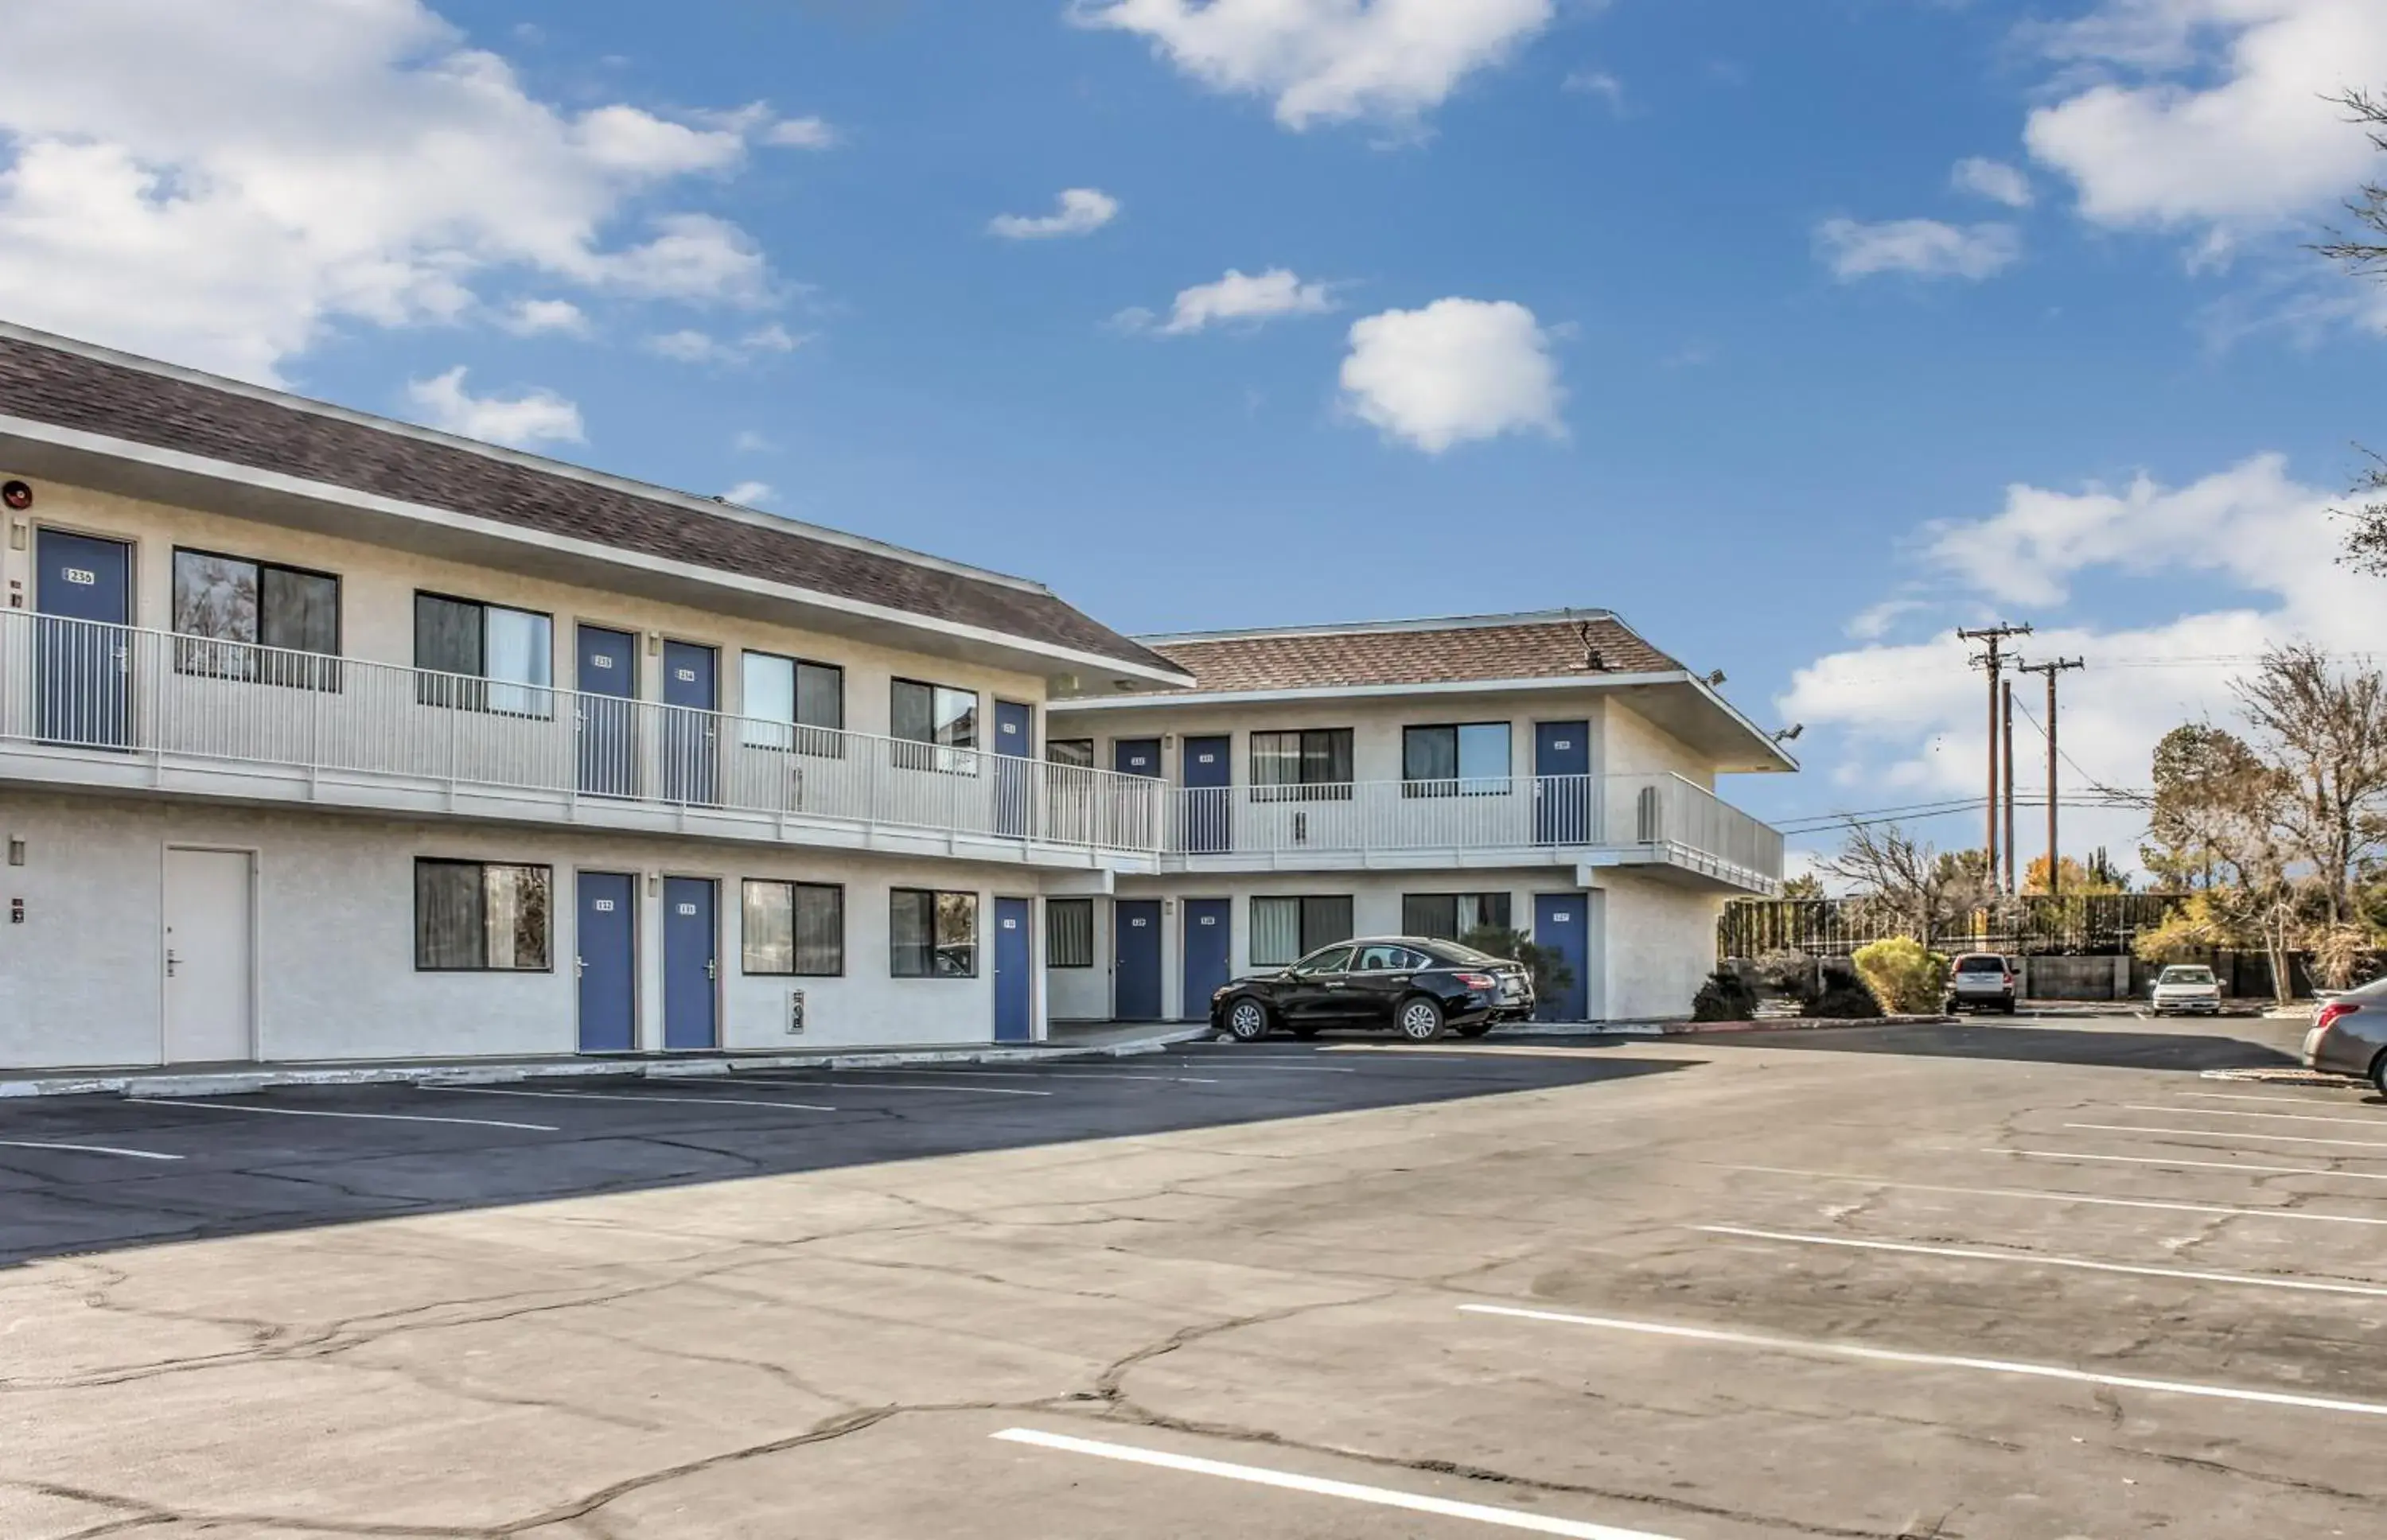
x,y
60,384
1426,654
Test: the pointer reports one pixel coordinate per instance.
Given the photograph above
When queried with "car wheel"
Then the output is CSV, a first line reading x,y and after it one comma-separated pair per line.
x,y
2008,1008
1247,1021
1475,1031
2379,1074
1420,1018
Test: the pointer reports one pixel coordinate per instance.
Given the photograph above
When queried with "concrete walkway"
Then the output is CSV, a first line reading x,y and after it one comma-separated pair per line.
x,y
222,1079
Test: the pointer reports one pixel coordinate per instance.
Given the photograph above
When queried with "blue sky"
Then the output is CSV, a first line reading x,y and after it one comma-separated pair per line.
x,y
1683,309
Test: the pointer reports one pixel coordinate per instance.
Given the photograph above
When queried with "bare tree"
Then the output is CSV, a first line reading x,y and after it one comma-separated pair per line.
x,y
2363,253
2325,736
1916,889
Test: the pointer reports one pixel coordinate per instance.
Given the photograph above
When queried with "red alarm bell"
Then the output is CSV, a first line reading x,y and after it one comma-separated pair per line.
x,y
18,495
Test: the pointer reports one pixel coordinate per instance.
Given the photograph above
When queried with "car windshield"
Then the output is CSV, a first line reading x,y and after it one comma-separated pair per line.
x,y
2186,976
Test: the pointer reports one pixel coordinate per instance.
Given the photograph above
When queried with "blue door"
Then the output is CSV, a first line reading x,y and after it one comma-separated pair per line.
x,y
1138,924
1209,796
691,762
1563,783
691,963
1137,756
608,677
607,942
1562,923
83,589
1209,961
1015,748
1015,978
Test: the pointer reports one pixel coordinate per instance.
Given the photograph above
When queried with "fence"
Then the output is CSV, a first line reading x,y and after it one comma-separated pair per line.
x,y
2083,925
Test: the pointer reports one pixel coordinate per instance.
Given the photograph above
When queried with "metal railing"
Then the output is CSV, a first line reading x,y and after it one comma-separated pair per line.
x,y
1665,813
160,698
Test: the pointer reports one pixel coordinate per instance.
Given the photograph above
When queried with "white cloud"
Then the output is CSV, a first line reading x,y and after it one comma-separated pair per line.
x,y
1874,621
1081,211
1924,248
533,417
750,442
801,133
1329,60
1599,84
750,494
1456,370
220,181
1912,716
1237,296
2210,114
530,317
1993,180
691,346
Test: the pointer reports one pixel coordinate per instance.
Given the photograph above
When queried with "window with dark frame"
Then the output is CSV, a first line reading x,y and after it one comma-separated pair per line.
x,y
1450,917
1471,758
793,928
793,704
505,659
482,916
1079,752
1286,929
1069,933
937,727
1312,764
932,935
255,621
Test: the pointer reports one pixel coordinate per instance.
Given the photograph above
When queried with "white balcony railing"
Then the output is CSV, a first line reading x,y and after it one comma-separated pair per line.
x,y
1664,815
342,730
340,725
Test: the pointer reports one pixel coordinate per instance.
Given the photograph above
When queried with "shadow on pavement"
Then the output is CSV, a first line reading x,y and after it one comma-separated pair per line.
x,y
384,1151
2052,1043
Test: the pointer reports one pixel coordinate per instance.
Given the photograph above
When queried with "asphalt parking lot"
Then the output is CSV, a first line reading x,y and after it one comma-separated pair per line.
x,y
2031,1281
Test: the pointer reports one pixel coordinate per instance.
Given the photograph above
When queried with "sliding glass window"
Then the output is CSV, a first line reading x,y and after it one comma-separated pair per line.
x,y
790,703
505,659
1470,760
255,621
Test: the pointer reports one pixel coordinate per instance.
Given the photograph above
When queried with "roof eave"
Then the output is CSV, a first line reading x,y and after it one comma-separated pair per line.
x,y
145,470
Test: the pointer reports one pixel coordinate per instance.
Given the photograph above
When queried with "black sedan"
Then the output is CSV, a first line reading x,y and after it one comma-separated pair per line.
x,y
1419,988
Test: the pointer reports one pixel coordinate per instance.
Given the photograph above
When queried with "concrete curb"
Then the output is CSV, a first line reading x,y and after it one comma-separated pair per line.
x,y
1783,1024
136,1084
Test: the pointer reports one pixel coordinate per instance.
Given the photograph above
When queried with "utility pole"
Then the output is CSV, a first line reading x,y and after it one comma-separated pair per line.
x,y
2054,860
2006,710
1995,637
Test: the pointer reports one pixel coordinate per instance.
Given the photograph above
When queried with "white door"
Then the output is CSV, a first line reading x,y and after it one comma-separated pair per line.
x,y
207,952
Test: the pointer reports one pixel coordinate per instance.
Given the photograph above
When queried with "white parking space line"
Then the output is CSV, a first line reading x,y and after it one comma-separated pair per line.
x,y
1972,1254
1380,1496
2169,1162
84,1149
2235,1133
2233,1112
1062,1072
2032,1194
366,1116
1936,1360
625,1096
2288,1101
907,1085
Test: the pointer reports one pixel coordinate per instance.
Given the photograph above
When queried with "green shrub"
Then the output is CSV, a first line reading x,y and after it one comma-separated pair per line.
x,y
1905,976
1843,995
1789,973
1724,997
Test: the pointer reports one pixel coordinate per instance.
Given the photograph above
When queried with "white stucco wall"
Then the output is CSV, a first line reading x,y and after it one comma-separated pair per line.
x,y
81,980
1375,723
1375,911
378,584
1661,942
1636,745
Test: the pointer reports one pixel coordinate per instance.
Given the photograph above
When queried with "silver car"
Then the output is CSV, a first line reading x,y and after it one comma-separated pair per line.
x,y
2349,1037
2186,987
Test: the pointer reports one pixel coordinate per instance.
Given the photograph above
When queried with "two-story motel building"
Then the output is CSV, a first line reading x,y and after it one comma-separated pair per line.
x,y
329,737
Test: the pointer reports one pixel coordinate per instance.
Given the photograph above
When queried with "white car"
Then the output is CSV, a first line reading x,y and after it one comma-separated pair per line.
x,y
2186,988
